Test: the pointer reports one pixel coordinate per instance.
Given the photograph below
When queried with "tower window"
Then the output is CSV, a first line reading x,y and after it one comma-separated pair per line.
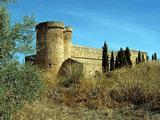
x,y
49,64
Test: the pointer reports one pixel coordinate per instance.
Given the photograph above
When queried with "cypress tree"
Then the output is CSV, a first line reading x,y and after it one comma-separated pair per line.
x,y
139,59
123,58
155,56
124,61
112,65
128,56
120,57
105,58
117,62
152,57
143,59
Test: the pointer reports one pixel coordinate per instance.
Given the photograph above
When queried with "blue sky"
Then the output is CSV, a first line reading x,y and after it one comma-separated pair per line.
x,y
133,23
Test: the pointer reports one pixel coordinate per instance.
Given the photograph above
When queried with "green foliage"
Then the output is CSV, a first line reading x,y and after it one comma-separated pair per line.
x,y
139,58
123,58
105,58
6,2
117,62
128,56
19,83
112,65
154,56
14,38
120,57
143,59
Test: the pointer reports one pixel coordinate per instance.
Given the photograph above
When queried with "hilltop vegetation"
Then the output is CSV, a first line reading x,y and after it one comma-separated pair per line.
x,y
19,83
123,94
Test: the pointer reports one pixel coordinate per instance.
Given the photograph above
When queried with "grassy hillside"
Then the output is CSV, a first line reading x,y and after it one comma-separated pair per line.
x,y
122,94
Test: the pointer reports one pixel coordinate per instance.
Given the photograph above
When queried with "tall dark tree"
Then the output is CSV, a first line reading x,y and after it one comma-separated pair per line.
x,y
139,57
155,56
143,59
117,62
152,57
123,58
112,65
124,62
105,58
120,57
128,56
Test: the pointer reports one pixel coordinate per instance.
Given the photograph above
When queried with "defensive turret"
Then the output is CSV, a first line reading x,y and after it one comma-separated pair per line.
x,y
50,45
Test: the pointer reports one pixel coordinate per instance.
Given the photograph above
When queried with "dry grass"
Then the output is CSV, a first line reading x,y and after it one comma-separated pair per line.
x,y
46,110
139,86
123,94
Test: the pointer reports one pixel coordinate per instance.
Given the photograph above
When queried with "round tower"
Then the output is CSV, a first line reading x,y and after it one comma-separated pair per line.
x,y
67,42
50,46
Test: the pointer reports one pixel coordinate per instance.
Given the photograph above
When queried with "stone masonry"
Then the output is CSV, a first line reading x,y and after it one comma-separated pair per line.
x,y
54,46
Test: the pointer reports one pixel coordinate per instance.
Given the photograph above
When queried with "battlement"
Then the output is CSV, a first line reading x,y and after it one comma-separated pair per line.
x,y
68,29
50,25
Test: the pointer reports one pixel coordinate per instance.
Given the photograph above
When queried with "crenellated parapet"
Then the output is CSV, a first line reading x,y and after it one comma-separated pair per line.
x,y
50,25
68,29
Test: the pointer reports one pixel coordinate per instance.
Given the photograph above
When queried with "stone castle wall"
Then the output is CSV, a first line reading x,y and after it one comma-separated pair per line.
x,y
92,58
54,46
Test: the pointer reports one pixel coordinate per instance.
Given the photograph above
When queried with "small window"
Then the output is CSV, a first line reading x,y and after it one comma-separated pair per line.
x,y
49,64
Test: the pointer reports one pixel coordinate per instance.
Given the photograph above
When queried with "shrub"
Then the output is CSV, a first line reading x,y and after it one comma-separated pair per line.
x,y
20,83
70,73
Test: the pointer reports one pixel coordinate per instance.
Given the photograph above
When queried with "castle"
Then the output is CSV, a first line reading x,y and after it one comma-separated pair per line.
x,y
54,46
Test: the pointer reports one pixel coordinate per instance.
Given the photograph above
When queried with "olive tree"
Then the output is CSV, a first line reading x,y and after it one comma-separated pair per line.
x,y
18,82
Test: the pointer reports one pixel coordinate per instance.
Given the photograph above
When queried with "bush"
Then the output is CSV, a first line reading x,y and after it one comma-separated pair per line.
x,y
19,83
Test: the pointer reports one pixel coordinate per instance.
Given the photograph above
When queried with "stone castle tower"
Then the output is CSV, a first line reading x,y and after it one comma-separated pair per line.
x,y
54,47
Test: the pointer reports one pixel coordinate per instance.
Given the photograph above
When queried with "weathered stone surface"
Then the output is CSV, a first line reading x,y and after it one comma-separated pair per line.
x,y
54,46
